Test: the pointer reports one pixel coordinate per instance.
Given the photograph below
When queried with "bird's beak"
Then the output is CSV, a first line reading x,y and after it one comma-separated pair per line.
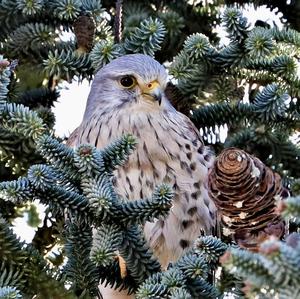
x,y
153,89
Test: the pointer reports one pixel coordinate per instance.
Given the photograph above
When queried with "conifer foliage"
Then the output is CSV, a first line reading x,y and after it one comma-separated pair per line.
x,y
248,88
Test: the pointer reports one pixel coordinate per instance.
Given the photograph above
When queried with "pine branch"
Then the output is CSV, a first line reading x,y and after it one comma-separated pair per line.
x,y
10,246
174,278
240,138
231,284
21,120
36,97
94,203
66,64
57,197
57,13
287,153
249,266
79,268
282,261
89,160
181,66
198,82
236,25
30,37
251,51
47,116
173,22
43,281
273,269
270,145
104,51
199,288
286,35
271,103
17,191
140,211
117,153
35,277
8,9
66,9
211,248
42,176
9,293
106,241
259,43
281,65
101,197
291,208
135,251
11,276
92,7
134,13
221,113
180,293
231,56
17,152
151,291
147,38
111,275
186,277
198,46
193,266
30,8
59,155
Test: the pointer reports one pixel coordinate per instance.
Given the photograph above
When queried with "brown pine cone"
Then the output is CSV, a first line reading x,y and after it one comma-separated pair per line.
x,y
245,192
84,29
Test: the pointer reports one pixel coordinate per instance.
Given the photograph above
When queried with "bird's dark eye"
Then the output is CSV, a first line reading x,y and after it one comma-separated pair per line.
x,y
127,81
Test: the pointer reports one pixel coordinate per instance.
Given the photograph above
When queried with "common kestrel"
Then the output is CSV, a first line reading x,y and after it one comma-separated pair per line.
x,y
127,96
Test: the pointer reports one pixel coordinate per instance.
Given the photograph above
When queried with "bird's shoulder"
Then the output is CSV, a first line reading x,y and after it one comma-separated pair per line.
x,y
73,138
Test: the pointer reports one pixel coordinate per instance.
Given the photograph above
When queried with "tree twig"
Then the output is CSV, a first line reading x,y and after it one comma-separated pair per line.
x,y
118,21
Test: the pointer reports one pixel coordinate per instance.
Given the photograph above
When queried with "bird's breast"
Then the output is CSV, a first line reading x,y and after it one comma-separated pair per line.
x,y
168,151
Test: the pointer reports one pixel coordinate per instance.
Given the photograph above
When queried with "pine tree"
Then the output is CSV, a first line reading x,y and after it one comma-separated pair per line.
x,y
249,88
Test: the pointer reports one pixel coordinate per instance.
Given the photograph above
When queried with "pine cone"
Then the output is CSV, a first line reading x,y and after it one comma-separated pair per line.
x,y
245,192
84,29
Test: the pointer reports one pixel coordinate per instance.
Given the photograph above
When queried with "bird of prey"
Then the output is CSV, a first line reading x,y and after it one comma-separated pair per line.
x,y
127,96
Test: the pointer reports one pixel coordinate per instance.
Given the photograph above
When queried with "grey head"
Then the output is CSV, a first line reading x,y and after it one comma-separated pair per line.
x,y
127,80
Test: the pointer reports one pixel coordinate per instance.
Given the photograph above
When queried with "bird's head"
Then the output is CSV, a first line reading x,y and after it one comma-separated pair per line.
x,y
133,79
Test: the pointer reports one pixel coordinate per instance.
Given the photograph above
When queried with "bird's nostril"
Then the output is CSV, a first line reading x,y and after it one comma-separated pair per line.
x,y
149,85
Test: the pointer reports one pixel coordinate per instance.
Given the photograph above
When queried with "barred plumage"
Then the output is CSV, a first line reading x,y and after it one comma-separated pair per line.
x,y
169,150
